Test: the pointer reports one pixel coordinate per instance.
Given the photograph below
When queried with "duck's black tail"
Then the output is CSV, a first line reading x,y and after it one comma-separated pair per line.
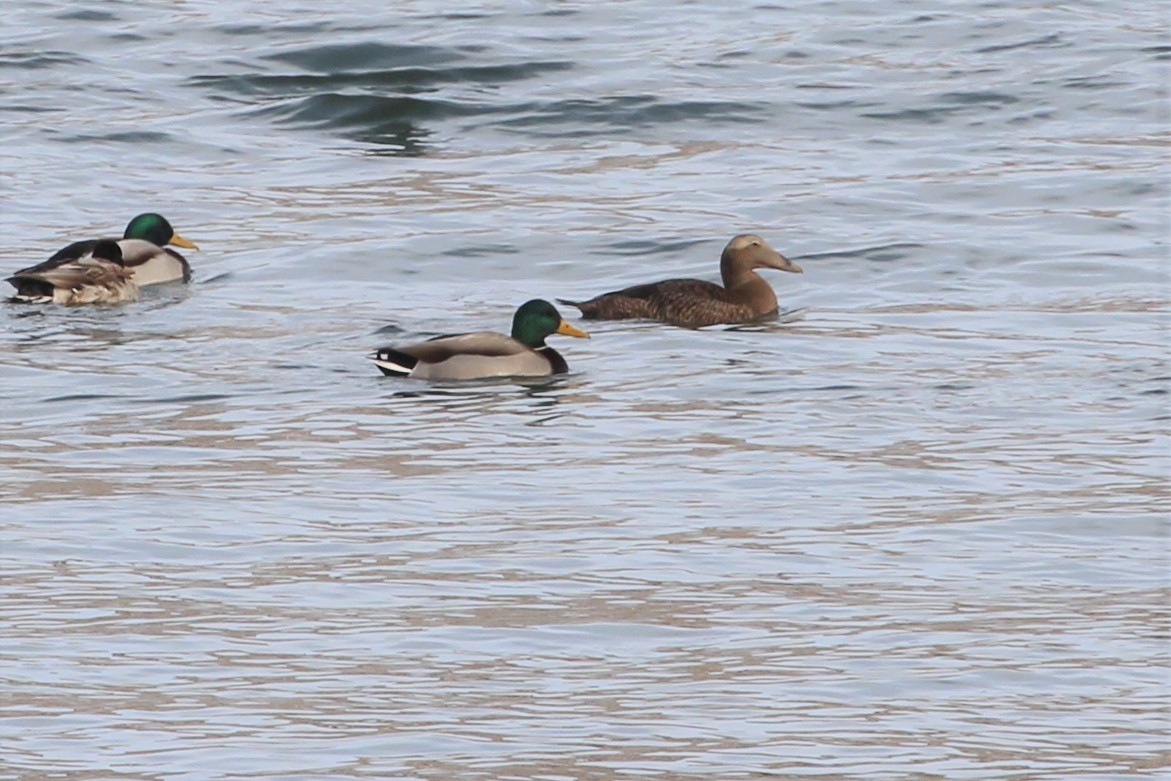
x,y
30,290
394,363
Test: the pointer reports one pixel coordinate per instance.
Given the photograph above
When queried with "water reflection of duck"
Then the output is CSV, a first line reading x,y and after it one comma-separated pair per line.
x,y
486,353
99,276
694,303
144,252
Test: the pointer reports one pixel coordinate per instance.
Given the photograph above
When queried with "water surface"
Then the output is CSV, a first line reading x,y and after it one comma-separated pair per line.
x,y
920,532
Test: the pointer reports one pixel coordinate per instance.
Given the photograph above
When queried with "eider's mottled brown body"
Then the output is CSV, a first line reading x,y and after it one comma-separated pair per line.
x,y
694,303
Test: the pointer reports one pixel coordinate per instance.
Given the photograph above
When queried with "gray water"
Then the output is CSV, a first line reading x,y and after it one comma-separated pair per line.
x,y
920,532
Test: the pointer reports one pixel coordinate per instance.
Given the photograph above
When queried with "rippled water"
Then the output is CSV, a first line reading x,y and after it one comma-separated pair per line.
x,y
921,532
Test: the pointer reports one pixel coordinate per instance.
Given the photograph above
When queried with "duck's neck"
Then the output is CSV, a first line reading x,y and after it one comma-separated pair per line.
x,y
555,359
748,287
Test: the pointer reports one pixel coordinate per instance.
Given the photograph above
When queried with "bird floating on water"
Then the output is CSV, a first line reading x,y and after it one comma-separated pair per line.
x,y
144,254
693,303
484,354
98,276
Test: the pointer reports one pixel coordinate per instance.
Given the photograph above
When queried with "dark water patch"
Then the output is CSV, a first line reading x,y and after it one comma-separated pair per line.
x,y
22,309
400,120
930,116
885,256
836,105
37,60
459,16
299,28
1153,386
979,98
371,119
126,137
833,388
389,328
643,247
223,277
373,93
822,85
88,15
395,150
83,397
408,80
633,111
882,253
1053,39
194,398
341,58
482,250
1092,82
947,105
24,109
738,54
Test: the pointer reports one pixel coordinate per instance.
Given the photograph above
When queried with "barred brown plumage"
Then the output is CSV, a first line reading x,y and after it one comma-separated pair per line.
x,y
694,303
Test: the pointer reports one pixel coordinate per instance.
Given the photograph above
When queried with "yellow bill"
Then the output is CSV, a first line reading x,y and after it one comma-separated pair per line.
x,y
179,241
569,330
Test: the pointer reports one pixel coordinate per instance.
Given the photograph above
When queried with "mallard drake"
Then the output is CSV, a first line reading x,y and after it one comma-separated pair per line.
x,y
694,303
486,353
144,252
97,277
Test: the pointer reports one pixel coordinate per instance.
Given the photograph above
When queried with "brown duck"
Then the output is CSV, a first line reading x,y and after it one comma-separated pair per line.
x,y
694,303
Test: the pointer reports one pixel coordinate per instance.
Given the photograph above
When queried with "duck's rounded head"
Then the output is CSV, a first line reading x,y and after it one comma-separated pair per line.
x,y
537,319
749,251
155,229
